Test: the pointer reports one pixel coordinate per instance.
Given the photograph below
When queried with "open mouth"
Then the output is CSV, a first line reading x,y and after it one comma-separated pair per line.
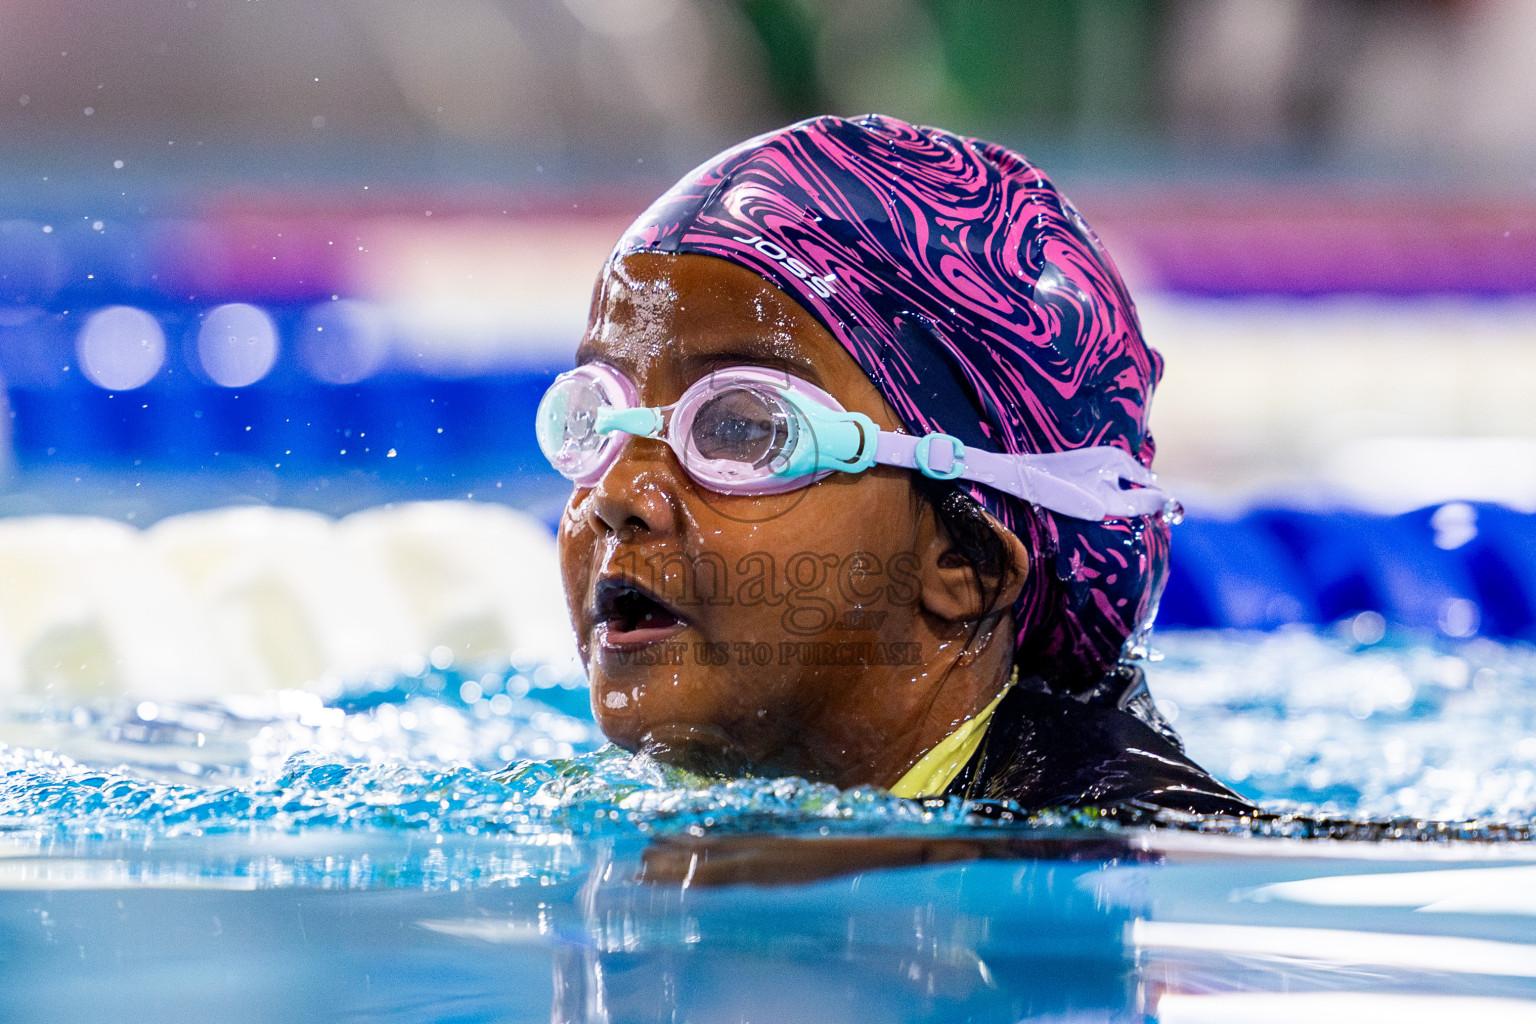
x,y
629,615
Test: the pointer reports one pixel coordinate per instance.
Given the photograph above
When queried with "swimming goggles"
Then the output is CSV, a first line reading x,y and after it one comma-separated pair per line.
x,y
751,430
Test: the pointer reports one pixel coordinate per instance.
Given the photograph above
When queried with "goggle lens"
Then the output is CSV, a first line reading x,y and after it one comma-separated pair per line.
x,y
567,426
736,431
741,425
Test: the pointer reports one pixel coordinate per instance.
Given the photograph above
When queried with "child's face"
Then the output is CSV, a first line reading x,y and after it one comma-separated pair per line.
x,y
731,633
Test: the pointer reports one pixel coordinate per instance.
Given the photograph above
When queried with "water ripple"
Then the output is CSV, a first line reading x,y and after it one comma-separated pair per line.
x,y
1337,741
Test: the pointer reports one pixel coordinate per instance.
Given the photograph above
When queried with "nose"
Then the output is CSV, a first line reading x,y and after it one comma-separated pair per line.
x,y
638,493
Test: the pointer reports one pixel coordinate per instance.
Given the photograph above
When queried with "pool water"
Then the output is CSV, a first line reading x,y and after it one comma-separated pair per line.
x,y
446,846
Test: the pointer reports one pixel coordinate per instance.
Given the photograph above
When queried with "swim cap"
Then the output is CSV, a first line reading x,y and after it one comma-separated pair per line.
x,y
980,304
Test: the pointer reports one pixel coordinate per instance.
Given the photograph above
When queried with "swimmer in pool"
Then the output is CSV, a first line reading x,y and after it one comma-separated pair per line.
x,y
858,438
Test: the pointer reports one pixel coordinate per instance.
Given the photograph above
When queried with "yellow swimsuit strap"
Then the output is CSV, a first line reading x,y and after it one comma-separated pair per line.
x,y
936,769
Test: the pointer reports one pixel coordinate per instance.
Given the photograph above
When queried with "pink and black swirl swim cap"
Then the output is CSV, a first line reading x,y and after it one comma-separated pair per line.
x,y
982,305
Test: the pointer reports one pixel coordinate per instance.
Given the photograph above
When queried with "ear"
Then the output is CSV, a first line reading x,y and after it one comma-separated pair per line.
x,y
950,589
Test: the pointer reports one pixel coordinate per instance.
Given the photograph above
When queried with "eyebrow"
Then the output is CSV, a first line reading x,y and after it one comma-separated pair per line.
x,y
751,356
744,355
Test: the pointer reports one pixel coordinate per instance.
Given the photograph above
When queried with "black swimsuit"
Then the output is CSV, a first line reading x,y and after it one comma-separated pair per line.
x,y
1110,747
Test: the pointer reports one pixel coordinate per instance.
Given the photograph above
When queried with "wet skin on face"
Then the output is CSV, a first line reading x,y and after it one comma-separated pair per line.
x,y
630,547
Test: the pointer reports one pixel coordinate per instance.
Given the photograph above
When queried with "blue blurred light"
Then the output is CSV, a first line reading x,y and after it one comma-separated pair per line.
x,y
237,344
120,348
343,342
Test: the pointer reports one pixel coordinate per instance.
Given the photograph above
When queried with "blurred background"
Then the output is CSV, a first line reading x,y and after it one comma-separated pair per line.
x,y
322,256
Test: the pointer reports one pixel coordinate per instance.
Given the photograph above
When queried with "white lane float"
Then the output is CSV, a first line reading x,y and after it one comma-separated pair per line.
x,y
254,598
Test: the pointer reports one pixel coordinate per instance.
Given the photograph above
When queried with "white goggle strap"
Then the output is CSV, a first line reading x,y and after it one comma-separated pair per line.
x,y
1083,484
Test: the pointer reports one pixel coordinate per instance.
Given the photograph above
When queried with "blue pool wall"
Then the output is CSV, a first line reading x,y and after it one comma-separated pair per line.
x,y
1275,566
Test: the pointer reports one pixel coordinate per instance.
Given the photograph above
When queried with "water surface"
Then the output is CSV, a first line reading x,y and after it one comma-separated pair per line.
x,y
454,846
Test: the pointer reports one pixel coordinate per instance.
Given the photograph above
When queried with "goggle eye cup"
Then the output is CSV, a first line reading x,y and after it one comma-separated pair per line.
x,y
739,425
736,430
566,425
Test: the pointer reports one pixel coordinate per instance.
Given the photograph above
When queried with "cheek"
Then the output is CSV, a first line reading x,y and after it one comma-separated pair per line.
x,y
856,573
799,576
575,545
869,513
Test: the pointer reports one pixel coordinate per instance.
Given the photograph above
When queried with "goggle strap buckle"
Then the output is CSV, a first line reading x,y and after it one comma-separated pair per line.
x,y
922,453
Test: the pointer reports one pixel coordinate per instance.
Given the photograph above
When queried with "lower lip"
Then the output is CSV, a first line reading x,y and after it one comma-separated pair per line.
x,y
631,639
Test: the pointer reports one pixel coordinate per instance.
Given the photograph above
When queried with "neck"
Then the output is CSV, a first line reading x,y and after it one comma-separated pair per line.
x,y
920,705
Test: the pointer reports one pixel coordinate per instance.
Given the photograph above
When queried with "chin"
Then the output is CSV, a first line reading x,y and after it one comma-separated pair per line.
x,y
704,749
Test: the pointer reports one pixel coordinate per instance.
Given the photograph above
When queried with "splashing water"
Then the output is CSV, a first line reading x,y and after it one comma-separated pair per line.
x,y
410,755
1301,722
1305,722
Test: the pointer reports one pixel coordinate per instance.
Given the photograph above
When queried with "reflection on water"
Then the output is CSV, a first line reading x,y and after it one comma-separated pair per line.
x,y
566,934
360,853
404,926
